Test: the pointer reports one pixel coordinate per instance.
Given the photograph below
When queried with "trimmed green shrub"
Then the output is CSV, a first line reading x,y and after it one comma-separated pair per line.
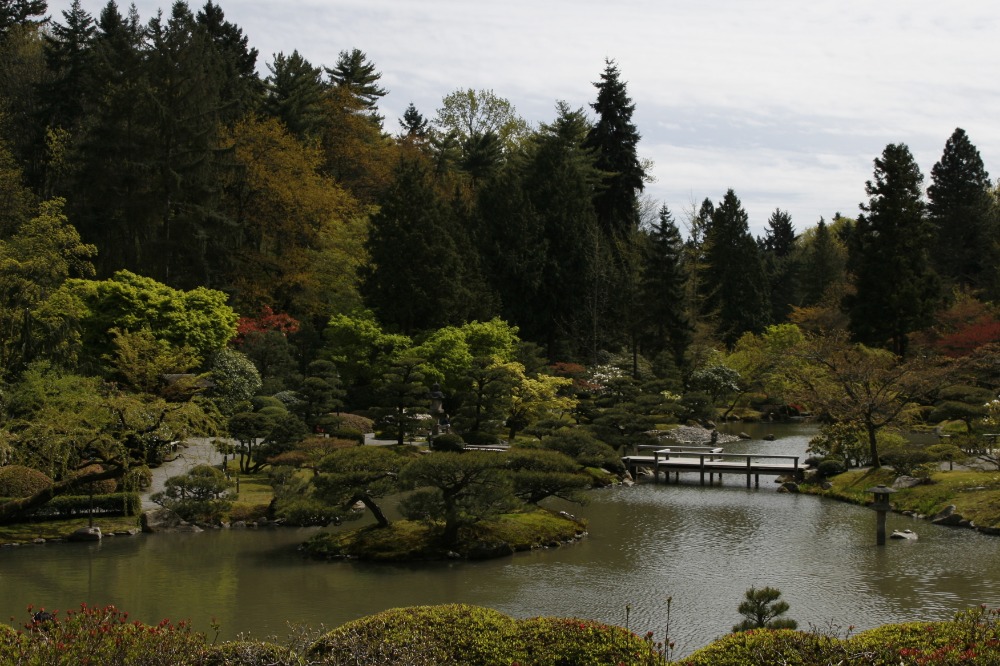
x,y
481,438
830,467
552,641
448,442
766,646
71,506
19,481
105,487
423,636
246,653
356,422
349,434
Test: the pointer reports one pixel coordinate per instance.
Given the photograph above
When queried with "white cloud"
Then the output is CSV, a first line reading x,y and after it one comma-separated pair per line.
x,y
787,102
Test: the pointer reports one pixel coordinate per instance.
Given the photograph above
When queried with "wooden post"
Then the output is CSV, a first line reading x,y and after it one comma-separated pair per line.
x,y
748,471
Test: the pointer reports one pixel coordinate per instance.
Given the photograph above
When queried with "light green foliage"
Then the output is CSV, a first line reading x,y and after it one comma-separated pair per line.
x,y
140,361
235,379
533,398
462,634
358,346
472,114
199,318
34,318
770,646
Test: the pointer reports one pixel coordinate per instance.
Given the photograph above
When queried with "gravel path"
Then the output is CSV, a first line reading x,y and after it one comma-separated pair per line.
x,y
195,451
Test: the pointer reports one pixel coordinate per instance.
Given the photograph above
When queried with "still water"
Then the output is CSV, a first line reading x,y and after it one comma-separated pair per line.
x,y
703,547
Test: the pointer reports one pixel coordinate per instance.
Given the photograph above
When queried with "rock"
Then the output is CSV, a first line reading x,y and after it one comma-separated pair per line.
x,y
743,435
165,520
904,534
826,485
947,516
906,482
86,534
789,487
239,525
769,437
38,540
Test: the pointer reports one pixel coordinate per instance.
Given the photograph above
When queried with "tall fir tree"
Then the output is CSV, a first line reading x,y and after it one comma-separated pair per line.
x,y
733,280
964,217
778,247
822,264
242,90
69,56
14,13
615,139
662,287
294,94
896,289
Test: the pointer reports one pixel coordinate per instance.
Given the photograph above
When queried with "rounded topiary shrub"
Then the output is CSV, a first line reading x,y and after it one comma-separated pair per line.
x,y
103,487
553,641
830,467
423,636
480,438
246,653
21,481
889,643
767,646
448,442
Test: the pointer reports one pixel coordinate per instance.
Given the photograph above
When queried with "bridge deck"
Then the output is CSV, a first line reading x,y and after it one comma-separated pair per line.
x,y
714,462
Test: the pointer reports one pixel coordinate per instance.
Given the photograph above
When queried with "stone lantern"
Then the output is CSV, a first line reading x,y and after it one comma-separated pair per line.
x,y
881,506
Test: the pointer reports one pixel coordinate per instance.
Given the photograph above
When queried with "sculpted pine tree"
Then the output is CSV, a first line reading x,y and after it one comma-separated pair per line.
x,y
896,290
964,219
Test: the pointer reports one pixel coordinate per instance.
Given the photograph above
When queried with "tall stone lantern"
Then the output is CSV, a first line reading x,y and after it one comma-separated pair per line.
x,y
881,506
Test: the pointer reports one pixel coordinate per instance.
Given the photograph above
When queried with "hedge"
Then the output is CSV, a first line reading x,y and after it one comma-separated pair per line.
x,y
73,506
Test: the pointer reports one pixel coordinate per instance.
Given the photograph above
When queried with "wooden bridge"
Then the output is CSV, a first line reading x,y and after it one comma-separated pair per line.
x,y
712,461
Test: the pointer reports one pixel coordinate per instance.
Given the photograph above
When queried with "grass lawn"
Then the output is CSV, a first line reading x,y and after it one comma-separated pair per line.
x,y
975,494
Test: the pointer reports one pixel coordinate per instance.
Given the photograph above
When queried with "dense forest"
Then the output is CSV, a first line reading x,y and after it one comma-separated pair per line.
x,y
181,221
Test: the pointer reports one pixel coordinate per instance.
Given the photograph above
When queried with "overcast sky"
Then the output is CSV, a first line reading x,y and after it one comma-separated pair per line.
x,y
786,102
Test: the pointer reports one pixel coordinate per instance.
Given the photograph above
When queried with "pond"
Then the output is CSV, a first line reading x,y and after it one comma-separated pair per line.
x,y
700,546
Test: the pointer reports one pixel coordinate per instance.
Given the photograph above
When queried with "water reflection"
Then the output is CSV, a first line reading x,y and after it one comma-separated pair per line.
x,y
701,546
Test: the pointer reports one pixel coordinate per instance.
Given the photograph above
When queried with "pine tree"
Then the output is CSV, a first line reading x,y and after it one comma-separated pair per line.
x,y
69,56
415,127
615,138
821,265
896,290
733,280
965,251
21,12
295,94
354,72
662,290
779,263
242,89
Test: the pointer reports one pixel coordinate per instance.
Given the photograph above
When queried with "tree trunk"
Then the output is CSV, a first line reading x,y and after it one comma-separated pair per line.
x,y
369,502
873,445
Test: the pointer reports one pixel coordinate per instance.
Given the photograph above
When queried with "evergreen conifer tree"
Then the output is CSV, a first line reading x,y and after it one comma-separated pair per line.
x,y
779,262
965,224
896,289
357,74
662,291
733,280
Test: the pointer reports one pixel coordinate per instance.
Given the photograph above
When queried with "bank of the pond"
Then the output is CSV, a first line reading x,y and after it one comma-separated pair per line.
x,y
956,498
412,541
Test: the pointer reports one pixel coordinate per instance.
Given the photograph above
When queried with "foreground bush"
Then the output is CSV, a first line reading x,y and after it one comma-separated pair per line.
x,y
462,634
19,481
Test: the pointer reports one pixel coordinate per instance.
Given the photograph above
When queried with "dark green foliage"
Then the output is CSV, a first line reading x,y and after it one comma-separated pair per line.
x,y
584,448
354,72
889,254
762,610
246,653
615,139
448,442
830,467
362,473
75,506
665,325
197,495
21,481
319,394
415,127
295,94
480,438
415,279
780,264
821,265
20,13
732,279
402,397
963,215
457,489
538,474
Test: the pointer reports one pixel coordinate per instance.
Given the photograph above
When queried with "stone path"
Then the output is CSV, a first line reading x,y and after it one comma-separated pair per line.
x,y
195,451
